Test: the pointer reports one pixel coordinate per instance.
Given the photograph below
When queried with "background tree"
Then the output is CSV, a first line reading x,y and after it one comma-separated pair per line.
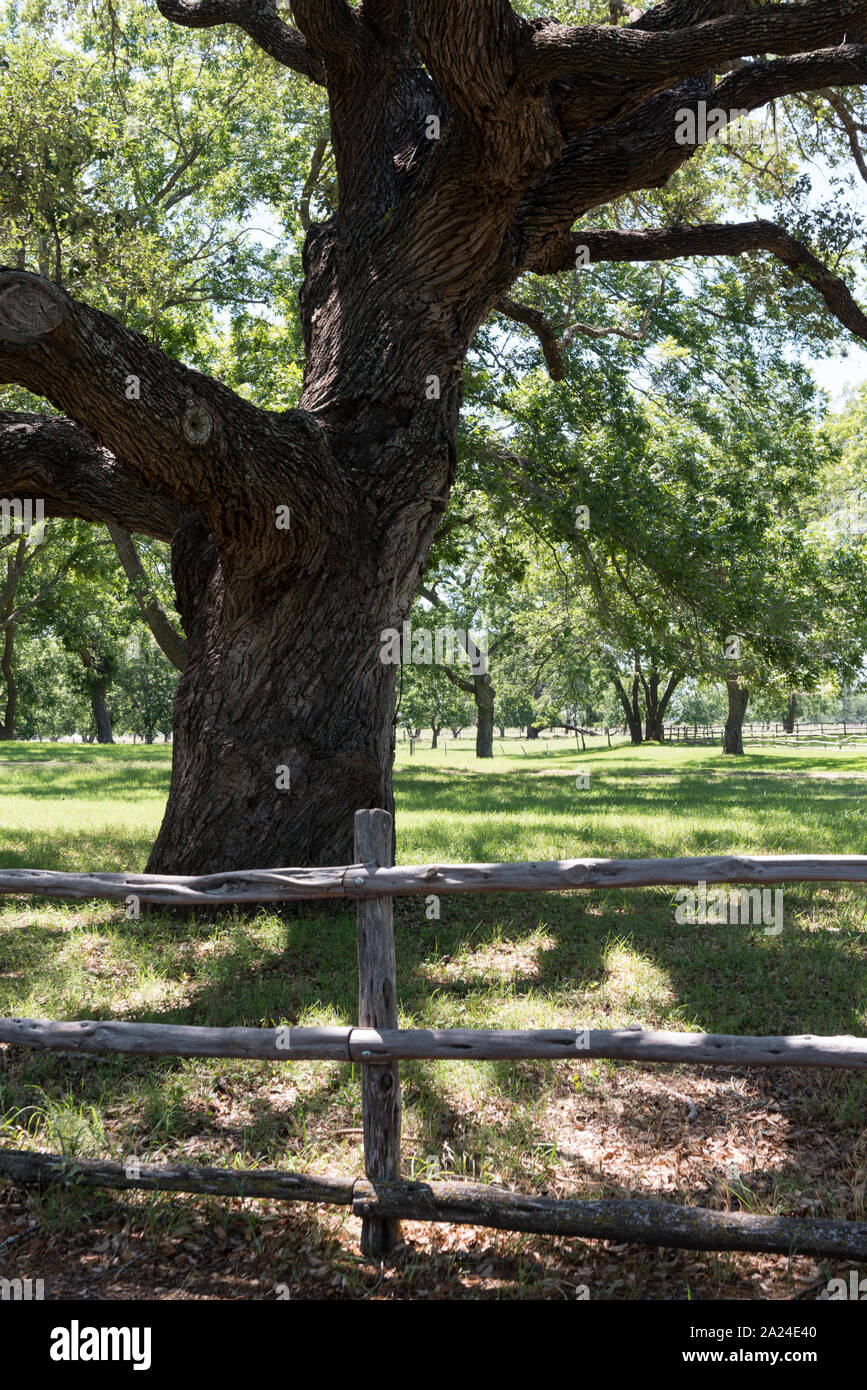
x,y
429,701
145,683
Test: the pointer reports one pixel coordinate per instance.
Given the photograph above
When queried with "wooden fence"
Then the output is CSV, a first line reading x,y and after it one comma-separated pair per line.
x,y
842,735
382,1198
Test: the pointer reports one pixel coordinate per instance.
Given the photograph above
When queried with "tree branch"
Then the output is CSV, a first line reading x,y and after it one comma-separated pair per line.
x,y
471,49
50,459
642,151
13,617
634,54
751,86
179,433
535,320
259,20
317,158
110,380
720,239
466,686
633,335
678,14
552,346
169,640
850,125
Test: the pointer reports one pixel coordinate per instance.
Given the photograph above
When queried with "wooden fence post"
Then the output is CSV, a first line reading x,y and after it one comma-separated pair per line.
x,y
377,1008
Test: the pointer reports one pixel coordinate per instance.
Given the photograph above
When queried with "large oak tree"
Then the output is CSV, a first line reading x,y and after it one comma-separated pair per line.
x,y
537,126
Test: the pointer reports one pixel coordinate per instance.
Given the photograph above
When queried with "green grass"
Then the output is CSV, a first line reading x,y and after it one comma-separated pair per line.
x,y
598,959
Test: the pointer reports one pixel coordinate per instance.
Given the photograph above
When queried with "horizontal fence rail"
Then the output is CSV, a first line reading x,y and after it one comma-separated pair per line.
x,y
354,881
371,1045
382,1199
471,1204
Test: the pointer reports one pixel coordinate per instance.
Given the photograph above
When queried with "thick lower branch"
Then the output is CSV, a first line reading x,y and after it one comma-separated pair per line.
x,y
47,458
180,434
174,428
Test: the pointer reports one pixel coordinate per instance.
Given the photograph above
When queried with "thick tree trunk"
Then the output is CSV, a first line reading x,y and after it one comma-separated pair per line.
x,y
733,737
283,715
789,719
436,733
483,693
101,716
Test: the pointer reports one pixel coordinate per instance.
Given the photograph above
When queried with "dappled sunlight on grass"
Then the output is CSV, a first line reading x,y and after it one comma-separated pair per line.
x,y
601,959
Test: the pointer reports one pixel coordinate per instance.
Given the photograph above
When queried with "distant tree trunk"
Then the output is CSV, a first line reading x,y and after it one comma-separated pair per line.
x,y
733,738
656,708
15,566
502,731
630,708
483,693
435,730
789,718
7,729
533,730
101,716
479,686
651,705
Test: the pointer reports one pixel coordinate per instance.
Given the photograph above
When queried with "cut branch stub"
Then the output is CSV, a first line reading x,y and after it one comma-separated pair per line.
x,y
198,423
30,308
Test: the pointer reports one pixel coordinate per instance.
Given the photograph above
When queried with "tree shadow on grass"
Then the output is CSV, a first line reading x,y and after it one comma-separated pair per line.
x,y
572,950
730,980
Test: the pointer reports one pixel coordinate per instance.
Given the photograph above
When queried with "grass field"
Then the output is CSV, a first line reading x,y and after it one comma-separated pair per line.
x,y
782,1141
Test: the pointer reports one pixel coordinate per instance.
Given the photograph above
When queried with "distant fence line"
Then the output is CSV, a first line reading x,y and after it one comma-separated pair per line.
x,y
382,1198
770,733
844,734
